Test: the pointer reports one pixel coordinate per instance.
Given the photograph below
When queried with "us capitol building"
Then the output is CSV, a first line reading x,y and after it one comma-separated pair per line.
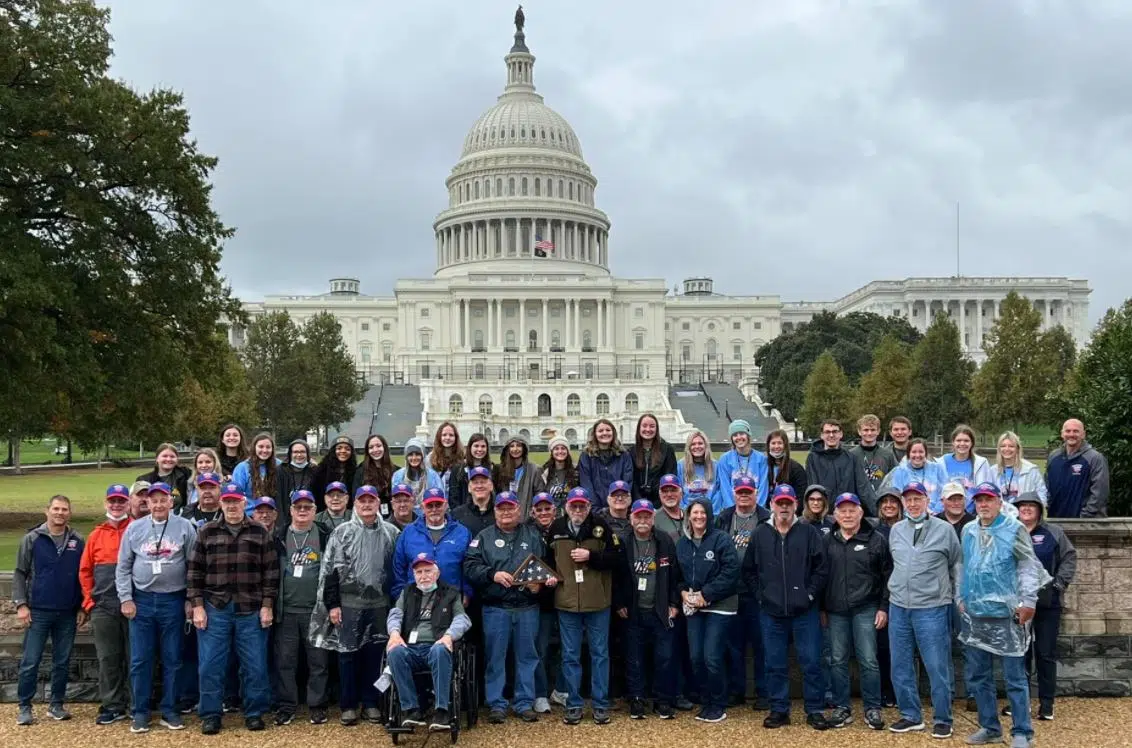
x,y
522,322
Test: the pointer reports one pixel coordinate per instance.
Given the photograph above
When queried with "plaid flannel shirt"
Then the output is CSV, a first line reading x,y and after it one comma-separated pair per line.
x,y
242,569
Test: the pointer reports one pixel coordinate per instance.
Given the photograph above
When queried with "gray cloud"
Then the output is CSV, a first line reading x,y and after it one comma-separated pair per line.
x,y
801,149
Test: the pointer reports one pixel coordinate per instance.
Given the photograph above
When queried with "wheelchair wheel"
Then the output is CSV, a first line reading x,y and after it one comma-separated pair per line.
x,y
395,737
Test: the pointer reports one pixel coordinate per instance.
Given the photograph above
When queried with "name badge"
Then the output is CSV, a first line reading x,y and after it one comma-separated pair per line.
x,y
297,572
413,637
579,576
642,584
385,510
156,566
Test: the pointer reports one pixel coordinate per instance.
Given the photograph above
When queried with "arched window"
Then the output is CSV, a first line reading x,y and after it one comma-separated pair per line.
x,y
504,435
509,339
526,434
538,187
487,188
477,340
571,190
499,186
631,403
561,188
485,405
476,190
514,406
523,187
455,405
603,404
587,339
573,405
572,436
511,186
544,405
532,340
710,349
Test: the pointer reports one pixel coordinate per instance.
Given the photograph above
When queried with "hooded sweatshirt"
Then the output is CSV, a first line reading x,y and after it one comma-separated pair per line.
x,y
96,569
970,472
290,478
1019,479
596,472
878,461
709,564
1078,484
732,465
427,477
840,472
932,475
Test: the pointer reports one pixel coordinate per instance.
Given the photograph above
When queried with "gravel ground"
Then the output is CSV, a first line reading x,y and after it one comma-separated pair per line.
x,y
1092,723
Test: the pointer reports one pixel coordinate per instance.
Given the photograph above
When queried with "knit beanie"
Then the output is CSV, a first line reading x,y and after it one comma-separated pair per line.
x,y
738,427
555,442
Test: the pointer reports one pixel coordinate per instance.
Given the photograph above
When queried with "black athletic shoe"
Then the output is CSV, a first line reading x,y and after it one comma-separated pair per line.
x,y
440,721
818,721
497,717
906,725
636,709
284,718
664,711
941,731
412,718
110,716
210,726
254,724
573,716
1045,712
528,715
318,716
684,705
601,717
874,719
776,719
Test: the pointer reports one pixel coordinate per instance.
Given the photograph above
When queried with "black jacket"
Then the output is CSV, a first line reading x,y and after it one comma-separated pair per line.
x,y
667,575
795,477
788,574
646,480
178,481
470,516
858,570
840,472
491,551
287,481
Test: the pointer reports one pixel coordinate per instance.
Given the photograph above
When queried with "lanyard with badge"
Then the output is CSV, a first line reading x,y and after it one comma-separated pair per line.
x,y
297,569
426,613
156,565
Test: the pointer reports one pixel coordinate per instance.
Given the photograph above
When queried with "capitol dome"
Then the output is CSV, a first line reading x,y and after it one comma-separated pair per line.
x,y
521,189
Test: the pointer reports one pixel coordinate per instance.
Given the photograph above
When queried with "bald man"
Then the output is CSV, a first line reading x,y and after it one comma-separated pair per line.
x,y
1077,476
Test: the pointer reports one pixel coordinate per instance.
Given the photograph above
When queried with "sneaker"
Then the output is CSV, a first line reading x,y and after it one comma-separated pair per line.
x,y
906,725
573,716
25,716
172,722
58,713
558,697
208,726
187,708
440,721
874,719
349,717
542,705
110,716
254,724
528,716
888,701
776,719
683,704
1021,741
664,711
231,705
818,721
371,714
1045,712
413,718
497,717
983,736
712,714
941,731
318,716
841,717
139,725
601,717
1007,711
284,718
636,709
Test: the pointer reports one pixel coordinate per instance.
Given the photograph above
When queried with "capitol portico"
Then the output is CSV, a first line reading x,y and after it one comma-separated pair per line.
x,y
522,322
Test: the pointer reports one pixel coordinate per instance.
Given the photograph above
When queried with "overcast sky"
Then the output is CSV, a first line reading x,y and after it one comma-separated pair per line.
x,y
800,148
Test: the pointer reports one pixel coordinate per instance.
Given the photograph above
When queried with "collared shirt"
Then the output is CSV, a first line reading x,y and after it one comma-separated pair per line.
x,y
239,567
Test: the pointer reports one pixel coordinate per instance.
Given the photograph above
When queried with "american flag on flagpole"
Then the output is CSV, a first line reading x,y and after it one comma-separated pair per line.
x,y
542,246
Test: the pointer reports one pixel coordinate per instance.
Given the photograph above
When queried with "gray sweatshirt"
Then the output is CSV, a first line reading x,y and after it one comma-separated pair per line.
x,y
145,566
925,574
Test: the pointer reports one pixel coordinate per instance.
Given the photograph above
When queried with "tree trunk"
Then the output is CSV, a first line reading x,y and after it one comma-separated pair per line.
x,y
14,445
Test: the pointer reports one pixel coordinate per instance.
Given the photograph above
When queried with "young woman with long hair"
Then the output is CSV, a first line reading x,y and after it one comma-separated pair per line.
x,y
338,466
295,473
603,461
416,473
558,472
447,454
204,461
516,473
653,457
233,448
477,453
697,473
259,474
780,467
917,467
376,470
1014,475
167,468
963,465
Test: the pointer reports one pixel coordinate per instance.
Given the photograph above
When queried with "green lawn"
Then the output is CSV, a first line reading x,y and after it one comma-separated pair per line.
x,y
42,452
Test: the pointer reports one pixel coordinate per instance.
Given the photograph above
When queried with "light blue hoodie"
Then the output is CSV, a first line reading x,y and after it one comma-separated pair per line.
x,y
732,465
694,485
932,475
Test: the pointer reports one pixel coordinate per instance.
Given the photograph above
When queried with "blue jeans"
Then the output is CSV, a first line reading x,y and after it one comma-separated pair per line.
x,y
644,629
215,642
980,675
547,623
157,627
807,632
404,661
596,628
855,632
60,626
707,643
519,629
929,631
745,633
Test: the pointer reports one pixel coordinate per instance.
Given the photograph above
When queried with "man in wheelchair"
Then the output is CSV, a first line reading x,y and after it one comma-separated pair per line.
x,y
423,610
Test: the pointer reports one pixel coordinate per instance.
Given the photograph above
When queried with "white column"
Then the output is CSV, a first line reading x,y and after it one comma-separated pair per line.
x,y
600,331
521,336
499,323
979,326
545,326
611,330
574,244
963,324
490,324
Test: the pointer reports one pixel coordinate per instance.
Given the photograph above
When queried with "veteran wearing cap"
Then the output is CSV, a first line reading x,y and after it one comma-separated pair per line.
x,y
439,535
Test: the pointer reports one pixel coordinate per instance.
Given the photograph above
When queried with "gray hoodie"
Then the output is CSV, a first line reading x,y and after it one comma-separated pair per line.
x,y
926,574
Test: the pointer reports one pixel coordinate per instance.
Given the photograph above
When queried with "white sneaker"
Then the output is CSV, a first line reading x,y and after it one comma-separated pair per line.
x,y
558,697
542,706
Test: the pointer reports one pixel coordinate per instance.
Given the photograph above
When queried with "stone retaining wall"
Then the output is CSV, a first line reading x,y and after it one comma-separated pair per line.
x,y
1094,649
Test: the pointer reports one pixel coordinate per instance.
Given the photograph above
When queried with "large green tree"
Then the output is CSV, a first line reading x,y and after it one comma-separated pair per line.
x,y
883,389
109,274
1099,392
785,362
827,394
331,365
1023,369
222,395
941,375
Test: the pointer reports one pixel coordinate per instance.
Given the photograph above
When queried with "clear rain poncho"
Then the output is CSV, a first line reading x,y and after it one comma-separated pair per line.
x,y
1000,574
363,559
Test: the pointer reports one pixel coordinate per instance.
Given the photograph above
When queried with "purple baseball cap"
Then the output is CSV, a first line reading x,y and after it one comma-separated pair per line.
x,y
263,501
231,491
366,491
915,487
302,495
208,479
619,486
479,472
118,490
578,494
642,505
433,496
784,491
337,486
402,489
542,497
846,498
424,557
744,483
986,489
506,497
670,480
161,488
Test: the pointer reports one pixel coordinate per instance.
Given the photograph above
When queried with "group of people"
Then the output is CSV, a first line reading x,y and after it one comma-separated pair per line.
x,y
243,572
